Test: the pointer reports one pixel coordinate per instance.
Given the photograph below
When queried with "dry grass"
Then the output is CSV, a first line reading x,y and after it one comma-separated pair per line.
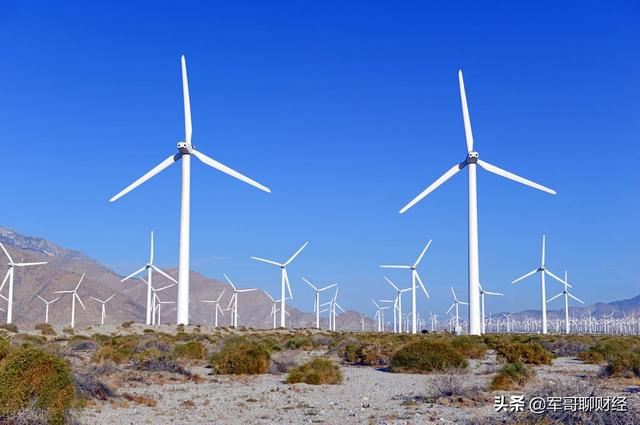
x,y
142,400
317,371
511,376
426,356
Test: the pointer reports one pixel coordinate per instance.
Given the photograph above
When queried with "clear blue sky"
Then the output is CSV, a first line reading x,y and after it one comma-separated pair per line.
x,y
346,112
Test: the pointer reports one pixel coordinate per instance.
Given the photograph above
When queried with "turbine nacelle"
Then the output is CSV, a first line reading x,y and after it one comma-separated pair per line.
x,y
472,157
184,148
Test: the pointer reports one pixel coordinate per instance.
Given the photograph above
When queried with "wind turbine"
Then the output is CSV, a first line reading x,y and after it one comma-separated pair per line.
x,y
155,300
216,308
508,316
9,276
482,294
456,301
104,303
74,296
149,267
399,293
379,315
543,271
46,308
234,301
332,313
470,162
284,280
316,304
185,150
414,277
566,294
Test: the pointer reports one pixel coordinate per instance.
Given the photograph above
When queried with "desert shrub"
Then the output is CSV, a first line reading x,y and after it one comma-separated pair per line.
x,y
45,329
192,350
140,399
282,364
623,364
82,343
109,353
591,357
321,340
241,357
127,324
425,356
101,338
317,371
531,352
148,331
567,345
11,327
299,343
5,347
270,343
68,330
621,355
161,363
511,376
469,346
26,339
31,377
449,385
90,387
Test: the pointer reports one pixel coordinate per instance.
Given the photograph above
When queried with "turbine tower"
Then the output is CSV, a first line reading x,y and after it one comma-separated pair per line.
x,y
216,308
11,265
456,301
398,303
543,287
185,150
316,304
566,294
46,308
470,162
104,303
74,296
234,301
284,281
482,294
414,277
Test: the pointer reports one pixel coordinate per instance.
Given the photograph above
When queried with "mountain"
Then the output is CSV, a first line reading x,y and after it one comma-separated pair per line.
x,y
617,308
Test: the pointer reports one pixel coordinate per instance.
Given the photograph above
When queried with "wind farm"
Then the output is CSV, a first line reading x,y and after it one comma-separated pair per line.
x,y
343,286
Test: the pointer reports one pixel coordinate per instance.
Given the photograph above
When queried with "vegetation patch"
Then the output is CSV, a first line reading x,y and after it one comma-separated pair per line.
x,y
11,327
511,376
45,329
317,371
471,347
528,351
32,377
424,356
241,357
190,351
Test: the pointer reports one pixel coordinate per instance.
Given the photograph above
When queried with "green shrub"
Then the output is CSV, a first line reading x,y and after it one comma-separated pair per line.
x,y
299,343
531,352
316,372
31,375
45,329
624,364
425,356
192,350
241,357
11,327
591,357
511,376
118,349
469,346
5,347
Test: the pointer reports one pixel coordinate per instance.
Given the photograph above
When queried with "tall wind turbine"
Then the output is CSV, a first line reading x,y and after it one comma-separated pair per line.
x,y
46,308
398,302
456,301
185,150
566,294
74,296
543,287
284,281
234,301
104,303
470,162
216,308
9,275
482,294
414,277
149,267
316,304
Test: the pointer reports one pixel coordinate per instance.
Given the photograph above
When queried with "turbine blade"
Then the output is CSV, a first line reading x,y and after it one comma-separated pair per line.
x,y
557,278
6,253
229,280
396,267
446,176
462,302
374,303
392,284
270,297
493,293
422,253
506,174
45,301
109,299
164,274
286,279
452,305
221,294
524,276
327,287
580,301
79,300
187,103
544,244
233,173
422,285
266,261
140,270
29,264
4,281
79,282
465,113
94,298
63,292
296,254
310,284
454,294
554,297
164,287
155,170
151,250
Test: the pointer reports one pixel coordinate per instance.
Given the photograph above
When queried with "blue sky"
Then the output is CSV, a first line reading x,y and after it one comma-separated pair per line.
x,y
346,112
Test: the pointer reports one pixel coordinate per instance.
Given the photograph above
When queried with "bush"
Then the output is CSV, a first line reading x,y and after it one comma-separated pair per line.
x,y
161,364
68,330
5,347
511,376
45,329
127,324
316,372
11,327
30,375
88,387
624,364
118,349
192,350
299,343
241,357
469,346
426,356
531,352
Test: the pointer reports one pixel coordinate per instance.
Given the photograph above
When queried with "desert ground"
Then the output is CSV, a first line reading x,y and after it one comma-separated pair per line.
x,y
133,386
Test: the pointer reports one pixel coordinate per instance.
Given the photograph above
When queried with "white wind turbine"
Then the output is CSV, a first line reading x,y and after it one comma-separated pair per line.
x,y
482,294
155,300
284,281
414,277
104,303
379,315
456,301
543,287
470,162
216,308
74,296
316,304
149,267
9,276
566,294
332,311
398,302
46,308
234,301
185,150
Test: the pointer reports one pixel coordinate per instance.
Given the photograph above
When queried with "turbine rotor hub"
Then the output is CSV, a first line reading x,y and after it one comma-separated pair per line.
x,y
472,158
184,148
